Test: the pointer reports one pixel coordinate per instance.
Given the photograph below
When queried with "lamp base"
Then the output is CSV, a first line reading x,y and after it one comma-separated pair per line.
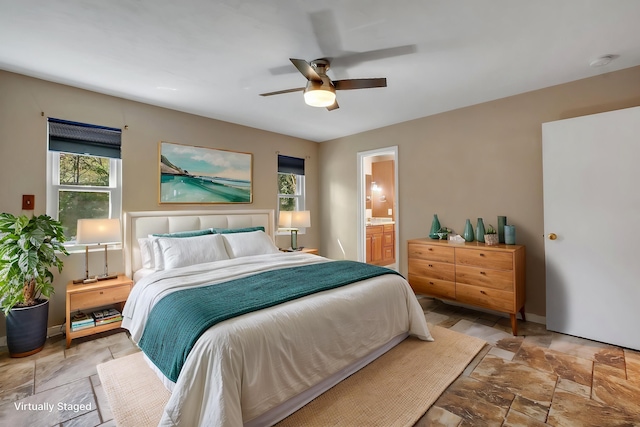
x,y
107,277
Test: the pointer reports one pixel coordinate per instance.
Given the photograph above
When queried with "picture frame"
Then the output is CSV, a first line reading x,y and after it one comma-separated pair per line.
x,y
190,174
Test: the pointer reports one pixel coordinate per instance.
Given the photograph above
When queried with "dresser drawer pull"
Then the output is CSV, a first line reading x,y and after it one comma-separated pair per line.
x,y
430,249
483,292
431,283
482,272
431,265
481,254
101,292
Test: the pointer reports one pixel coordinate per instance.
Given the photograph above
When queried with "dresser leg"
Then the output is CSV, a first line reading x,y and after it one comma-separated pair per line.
x,y
522,314
514,324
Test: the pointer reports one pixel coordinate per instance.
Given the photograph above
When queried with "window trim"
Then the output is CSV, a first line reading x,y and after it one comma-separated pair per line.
x,y
300,203
54,187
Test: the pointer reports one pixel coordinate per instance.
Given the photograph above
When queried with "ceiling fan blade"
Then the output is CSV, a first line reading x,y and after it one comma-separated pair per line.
x,y
325,28
351,59
333,106
278,92
306,69
359,83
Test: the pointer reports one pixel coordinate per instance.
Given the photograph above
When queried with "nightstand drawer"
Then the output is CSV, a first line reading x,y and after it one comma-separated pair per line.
x,y
99,297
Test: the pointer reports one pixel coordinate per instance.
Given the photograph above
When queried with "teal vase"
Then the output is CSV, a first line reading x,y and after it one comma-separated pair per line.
x,y
435,226
480,230
468,232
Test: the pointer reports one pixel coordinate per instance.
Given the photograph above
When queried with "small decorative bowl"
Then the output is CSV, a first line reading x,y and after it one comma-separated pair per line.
x,y
442,236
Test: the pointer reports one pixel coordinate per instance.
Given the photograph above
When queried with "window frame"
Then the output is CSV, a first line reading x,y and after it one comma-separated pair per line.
x,y
300,198
54,187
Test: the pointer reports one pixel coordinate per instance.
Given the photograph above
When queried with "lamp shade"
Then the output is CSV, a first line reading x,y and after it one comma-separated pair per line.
x,y
294,219
98,231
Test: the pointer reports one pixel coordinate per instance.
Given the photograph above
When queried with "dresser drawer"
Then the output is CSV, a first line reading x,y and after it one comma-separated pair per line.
x,y
486,297
485,258
486,277
434,287
432,269
431,252
99,297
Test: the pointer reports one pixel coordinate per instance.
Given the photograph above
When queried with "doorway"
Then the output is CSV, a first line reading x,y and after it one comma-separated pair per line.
x,y
378,216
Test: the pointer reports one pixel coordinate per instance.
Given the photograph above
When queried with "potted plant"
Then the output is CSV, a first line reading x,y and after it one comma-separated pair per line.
x,y
29,247
490,236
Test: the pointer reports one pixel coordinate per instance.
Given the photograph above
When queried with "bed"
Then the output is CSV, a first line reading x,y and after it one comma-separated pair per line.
x,y
276,352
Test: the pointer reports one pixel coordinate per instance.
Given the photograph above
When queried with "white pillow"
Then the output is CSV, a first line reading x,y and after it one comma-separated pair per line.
x,y
158,263
185,251
251,243
146,252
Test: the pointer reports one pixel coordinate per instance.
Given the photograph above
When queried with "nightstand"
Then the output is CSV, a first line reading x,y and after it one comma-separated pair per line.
x,y
104,293
312,251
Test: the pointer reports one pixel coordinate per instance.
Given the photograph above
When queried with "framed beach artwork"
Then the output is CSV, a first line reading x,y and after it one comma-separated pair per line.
x,y
190,174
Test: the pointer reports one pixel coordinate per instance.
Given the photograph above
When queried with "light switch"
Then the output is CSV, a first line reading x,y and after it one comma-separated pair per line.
x,y
389,211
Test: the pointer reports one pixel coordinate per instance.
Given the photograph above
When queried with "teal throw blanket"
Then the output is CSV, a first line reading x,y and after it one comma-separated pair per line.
x,y
177,320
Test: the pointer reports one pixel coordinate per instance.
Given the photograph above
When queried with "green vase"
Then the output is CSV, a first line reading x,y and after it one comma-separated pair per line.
x,y
435,226
468,232
480,230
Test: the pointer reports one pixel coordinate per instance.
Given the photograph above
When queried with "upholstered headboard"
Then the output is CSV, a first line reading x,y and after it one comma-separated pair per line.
x,y
141,224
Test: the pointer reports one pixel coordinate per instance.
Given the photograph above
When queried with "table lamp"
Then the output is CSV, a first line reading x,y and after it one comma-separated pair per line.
x,y
97,232
293,220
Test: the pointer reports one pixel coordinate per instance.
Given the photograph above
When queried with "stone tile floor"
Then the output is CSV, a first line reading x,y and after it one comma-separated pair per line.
x,y
538,378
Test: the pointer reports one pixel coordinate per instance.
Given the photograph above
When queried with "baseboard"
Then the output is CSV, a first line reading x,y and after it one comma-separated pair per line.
x,y
52,331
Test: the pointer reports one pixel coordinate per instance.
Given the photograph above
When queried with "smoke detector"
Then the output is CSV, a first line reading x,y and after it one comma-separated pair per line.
x,y
602,61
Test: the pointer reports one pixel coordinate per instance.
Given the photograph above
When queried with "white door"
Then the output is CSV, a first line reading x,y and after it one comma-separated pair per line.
x,y
591,168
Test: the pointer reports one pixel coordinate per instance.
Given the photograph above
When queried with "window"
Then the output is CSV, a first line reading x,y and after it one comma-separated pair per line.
x,y
84,173
290,184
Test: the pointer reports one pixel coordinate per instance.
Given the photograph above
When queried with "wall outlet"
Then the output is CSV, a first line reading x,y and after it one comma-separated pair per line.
x,y
389,211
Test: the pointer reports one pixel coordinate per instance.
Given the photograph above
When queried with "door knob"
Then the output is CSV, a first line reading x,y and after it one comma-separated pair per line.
x,y
553,236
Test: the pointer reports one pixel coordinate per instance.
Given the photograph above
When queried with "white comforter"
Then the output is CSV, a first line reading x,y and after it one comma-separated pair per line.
x,y
242,367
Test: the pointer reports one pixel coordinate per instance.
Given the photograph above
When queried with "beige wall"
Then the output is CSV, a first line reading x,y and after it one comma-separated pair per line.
x,y
23,148
480,161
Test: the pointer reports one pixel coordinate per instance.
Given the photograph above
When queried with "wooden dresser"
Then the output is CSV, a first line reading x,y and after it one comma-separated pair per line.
x,y
471,273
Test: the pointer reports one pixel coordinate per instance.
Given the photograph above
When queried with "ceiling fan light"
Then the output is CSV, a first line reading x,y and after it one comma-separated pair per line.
x,y
317,95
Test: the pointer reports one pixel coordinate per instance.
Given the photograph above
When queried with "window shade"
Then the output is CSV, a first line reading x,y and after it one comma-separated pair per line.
x,y
288,164
82,138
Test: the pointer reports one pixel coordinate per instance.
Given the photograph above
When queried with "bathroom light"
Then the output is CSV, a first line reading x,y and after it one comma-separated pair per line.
x,y
318,94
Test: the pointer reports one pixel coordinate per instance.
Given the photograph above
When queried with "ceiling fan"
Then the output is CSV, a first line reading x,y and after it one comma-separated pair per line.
x,y
320,90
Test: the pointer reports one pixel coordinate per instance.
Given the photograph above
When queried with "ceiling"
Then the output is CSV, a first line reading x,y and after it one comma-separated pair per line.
x,y
214,58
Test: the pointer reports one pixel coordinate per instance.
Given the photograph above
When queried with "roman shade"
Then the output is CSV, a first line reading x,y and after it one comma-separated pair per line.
x,y
292,165
82,138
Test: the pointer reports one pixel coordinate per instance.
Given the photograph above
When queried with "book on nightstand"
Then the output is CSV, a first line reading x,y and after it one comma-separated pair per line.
x,y
81,320
108,315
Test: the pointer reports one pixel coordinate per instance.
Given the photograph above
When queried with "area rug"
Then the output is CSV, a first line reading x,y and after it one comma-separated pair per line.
x,y
394,390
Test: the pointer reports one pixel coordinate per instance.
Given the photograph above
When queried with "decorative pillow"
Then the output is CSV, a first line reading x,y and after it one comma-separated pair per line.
x,y
187,251
146,252
236,230
249,243
190,233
